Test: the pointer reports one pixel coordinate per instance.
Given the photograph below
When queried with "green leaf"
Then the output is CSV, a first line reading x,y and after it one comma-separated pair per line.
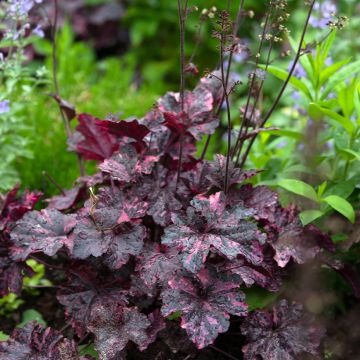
x,y
321,189
344,188
357,101
342,206
3,336
314,112
325,48
347,124
346,72
174,315
331,70
350,154
88,349
31,315
298,187
309,216
258,298
283,75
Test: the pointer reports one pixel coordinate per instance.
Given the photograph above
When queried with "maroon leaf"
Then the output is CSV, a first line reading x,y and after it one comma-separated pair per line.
x,y
285,333
91,141
125,128
209,225
35,342
205,301
13,207
114,326
46,231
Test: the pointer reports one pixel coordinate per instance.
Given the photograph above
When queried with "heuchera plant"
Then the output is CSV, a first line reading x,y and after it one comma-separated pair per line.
x,y
143,249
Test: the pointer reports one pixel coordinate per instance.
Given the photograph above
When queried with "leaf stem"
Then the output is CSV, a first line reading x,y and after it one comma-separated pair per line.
x,y
283,88
56,83
182,11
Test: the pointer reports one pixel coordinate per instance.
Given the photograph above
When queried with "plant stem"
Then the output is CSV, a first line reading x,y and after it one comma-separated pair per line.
x,y
54,182
235,32
56,83
223,352
182,11
253,80
283,88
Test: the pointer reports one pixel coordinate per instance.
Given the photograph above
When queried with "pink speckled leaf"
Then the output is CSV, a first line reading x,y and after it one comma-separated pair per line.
x,y
205,301
285,333
42,231
208,224
114,326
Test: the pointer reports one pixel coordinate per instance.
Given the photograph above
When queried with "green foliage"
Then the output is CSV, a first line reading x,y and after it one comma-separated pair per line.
x,y
3,336
16,82
327,175
9,304
97,87
31,315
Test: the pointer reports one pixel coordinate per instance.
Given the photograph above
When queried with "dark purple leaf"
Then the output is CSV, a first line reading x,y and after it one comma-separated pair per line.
x,y
113,206
85,286
11,274
125,165
216,173
207,225
114,326
91,141
205,301
46,231
285,333
67,108
346,271
128,242
266,274
214,85
33,342
197,117
117,245
260,198
161,204
156,265
125,128
157,323
68,199
293,241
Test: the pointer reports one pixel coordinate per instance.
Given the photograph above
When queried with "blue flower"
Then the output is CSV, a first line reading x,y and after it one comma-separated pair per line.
x,y
322,14
38,31
4,106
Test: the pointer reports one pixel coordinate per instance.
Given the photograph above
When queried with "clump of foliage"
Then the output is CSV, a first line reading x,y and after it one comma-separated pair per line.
x,y
15,81
159,247
146,244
